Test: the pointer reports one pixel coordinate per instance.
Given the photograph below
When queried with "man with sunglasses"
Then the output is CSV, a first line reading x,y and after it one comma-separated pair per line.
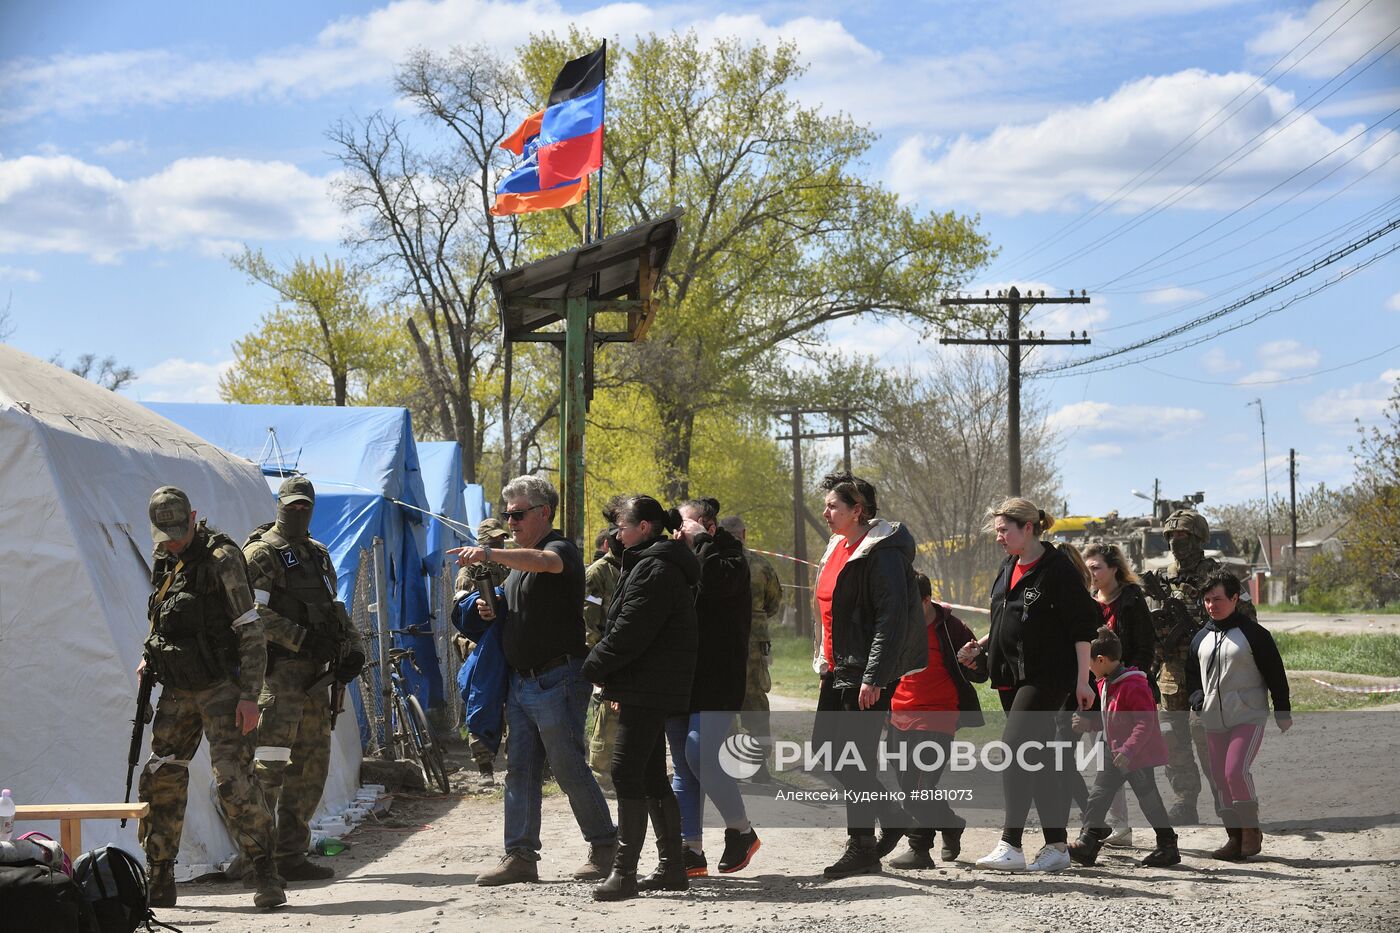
x,y
543,637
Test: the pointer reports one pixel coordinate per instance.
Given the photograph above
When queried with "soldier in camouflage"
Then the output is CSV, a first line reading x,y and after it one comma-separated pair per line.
x,y
766,593
1187,532
207,651
311,643
599,584
492,533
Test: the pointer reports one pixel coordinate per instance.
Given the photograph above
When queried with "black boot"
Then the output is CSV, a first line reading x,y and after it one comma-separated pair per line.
x,y
1166,852
858,859
631,831
670,874
1085,850
952,844
920,841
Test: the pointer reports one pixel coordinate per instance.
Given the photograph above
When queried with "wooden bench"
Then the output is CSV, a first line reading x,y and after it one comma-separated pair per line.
x,y
70,818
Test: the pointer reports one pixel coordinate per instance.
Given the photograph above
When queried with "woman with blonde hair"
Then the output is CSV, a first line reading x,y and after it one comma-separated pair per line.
x,y
1043,620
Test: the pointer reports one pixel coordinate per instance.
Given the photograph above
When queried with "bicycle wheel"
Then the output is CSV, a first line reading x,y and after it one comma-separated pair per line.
x,y
405,746
429,748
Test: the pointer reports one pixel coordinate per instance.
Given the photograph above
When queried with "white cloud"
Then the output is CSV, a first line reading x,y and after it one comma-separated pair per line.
x,y
1357,30
1128,419
1218,362
119,147
1341,408
1172,295
1083,154
1103,450
18,274
1287,355
1098,10
1394,303
62,204
179,380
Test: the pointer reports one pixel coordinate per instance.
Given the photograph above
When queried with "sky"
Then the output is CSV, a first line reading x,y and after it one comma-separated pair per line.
x,y
1170,157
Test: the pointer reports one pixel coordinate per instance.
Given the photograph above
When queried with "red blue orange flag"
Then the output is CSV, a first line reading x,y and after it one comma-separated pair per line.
x,y
521,192
571,129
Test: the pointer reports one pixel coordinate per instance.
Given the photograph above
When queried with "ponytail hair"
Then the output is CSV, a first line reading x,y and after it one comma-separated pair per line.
x,y
1077,559
1022,512
646,509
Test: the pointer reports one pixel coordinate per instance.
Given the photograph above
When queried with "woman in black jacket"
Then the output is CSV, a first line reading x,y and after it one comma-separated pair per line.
x,y
872,633
644,662
1043,620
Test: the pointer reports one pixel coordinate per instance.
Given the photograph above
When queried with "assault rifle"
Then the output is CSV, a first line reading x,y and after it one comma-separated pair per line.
x,y
144,714
1174,621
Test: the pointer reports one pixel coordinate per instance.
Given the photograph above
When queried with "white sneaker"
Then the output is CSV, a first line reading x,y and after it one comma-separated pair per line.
x,y
1005,857
1120,838
1050,858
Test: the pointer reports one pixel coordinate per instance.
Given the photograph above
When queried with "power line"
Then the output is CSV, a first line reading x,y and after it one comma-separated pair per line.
x,y
1257,198
1244,149
1059,373
1130,185
1274,382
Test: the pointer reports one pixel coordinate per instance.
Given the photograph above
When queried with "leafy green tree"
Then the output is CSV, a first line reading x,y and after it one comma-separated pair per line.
x,y
325,343
1372,537
782,237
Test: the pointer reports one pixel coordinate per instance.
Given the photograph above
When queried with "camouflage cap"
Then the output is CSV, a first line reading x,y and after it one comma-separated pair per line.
x,y
1189,521
489,528
296,489
169,511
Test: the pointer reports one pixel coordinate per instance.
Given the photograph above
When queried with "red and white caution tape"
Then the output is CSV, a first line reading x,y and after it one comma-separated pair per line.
x,y
799,560
796,560
1391,688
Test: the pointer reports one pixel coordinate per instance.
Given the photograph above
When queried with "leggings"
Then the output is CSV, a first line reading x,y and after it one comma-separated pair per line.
x,y
1231,754
695,758
1030,717
639,753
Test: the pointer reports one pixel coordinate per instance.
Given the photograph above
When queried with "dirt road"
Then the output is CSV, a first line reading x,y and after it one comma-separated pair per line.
x,y
1359,623
418,873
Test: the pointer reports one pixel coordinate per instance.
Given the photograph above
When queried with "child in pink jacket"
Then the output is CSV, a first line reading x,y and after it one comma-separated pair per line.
x,y
1133,750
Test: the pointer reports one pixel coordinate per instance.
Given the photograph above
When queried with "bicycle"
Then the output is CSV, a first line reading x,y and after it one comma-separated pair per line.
x,y
413,736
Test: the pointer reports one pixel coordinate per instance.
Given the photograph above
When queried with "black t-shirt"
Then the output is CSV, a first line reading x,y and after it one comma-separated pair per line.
x,y
546,609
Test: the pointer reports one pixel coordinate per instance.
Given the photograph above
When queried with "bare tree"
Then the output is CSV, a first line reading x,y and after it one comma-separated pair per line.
x,y
106,372
422,205
6,327
939,461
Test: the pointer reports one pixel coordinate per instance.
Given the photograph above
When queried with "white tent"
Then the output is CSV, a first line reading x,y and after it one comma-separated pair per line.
x,y
77,466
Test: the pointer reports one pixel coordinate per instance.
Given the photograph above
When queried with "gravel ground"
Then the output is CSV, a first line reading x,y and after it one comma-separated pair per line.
x,y
417,872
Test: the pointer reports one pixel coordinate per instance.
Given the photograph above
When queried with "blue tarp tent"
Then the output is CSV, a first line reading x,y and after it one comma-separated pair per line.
x,y
441,465
364,464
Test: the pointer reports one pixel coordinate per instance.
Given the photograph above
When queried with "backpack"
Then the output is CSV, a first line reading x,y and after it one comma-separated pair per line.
x,y
52,853
114,883
38,899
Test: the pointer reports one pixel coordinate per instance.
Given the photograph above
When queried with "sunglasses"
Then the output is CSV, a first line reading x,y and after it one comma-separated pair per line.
x,y
518,515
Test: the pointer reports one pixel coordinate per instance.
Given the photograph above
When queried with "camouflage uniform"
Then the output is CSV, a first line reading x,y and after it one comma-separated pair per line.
x,y
766,593
1186,576
600,582
207,651
490,532
311,644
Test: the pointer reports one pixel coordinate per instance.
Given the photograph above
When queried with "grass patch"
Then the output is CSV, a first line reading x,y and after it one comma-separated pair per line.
x,y
792,665
1330,607
1375,655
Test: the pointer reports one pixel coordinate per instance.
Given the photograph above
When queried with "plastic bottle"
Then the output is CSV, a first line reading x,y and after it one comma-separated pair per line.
x,y
7,815
330,846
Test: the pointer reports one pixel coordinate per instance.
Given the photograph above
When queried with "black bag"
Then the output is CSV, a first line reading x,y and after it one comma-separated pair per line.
x,y
38,899
114,883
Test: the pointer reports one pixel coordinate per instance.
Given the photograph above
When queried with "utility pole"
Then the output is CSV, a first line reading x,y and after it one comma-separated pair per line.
x,y
800,515
1293,520
1268,506
1015,303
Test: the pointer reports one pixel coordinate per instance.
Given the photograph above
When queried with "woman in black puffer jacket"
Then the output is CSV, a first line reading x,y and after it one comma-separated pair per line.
x,y
645,662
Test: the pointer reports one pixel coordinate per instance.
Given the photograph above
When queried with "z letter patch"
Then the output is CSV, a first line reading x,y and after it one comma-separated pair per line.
x,y
1030,596
289,557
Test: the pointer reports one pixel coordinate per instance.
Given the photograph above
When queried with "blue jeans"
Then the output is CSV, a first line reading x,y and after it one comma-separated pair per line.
x,y
544,718
695,760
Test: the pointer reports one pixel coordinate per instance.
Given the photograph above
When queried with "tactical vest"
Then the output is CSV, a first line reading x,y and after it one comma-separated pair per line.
x,y
304,595
192,645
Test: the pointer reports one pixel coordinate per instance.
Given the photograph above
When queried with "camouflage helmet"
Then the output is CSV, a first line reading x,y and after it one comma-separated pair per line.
x,y
1189,521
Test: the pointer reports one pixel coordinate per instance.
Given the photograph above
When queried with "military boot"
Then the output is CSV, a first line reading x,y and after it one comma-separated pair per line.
x,y
631,831
1166,852
670,874
858,859
303,869
270,892
160,888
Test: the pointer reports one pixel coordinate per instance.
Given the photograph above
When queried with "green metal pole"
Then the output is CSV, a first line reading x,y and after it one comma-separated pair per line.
x,y
575,410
